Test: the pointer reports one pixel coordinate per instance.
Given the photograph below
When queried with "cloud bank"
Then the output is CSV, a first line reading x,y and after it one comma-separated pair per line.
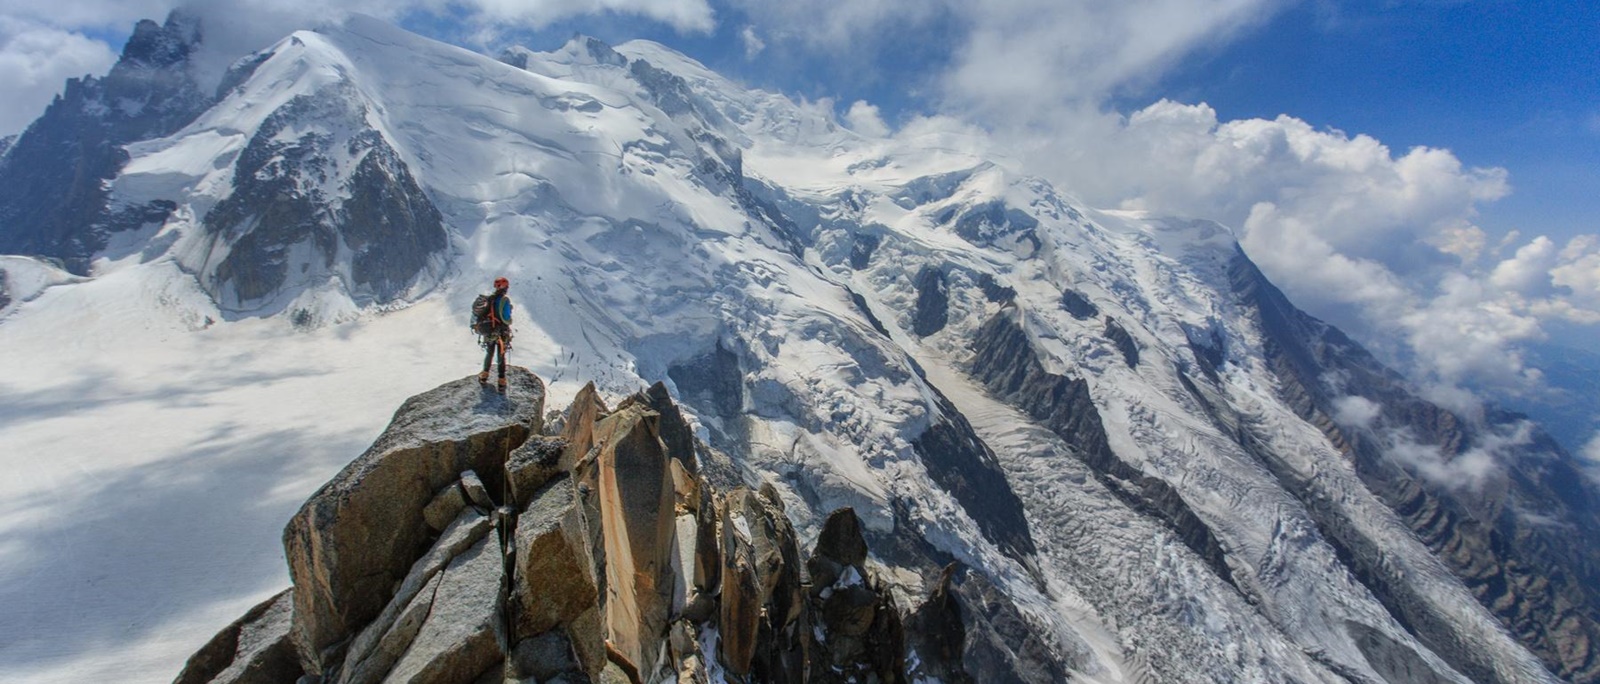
x,y
36,60
1378,241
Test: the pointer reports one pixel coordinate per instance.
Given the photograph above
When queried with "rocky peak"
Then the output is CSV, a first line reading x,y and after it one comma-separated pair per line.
x,y
467,545
159,46
54,197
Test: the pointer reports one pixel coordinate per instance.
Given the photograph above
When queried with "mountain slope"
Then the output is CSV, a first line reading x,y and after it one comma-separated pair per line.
x,y
1110,416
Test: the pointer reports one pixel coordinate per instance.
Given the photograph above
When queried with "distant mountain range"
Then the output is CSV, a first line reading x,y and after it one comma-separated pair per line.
x,y
1171,472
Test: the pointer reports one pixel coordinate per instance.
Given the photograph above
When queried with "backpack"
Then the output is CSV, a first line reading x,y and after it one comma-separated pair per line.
x,y
482,317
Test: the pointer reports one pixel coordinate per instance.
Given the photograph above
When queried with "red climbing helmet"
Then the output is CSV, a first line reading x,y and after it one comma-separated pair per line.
x,y
501,283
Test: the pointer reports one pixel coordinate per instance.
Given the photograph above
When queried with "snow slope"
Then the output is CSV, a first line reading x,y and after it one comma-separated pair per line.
x,y
657,220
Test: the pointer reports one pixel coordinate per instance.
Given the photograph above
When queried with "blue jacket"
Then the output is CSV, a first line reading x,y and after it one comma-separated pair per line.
x,y
502,311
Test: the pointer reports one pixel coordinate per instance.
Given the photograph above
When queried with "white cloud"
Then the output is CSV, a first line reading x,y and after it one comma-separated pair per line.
x,y
1589,458
753,45
689,16
1356,411
865,119
1382,242
1470,469
36,61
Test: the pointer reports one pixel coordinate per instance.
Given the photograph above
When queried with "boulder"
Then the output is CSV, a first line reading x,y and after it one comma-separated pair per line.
x,y
253,650
588,637
543,657
636,496
842,540
555,574
457,643
359,534
689,666
477,493
444,508
381,643
390,642
532,465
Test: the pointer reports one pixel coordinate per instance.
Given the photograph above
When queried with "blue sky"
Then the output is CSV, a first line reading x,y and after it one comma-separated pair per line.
x,y
1499,83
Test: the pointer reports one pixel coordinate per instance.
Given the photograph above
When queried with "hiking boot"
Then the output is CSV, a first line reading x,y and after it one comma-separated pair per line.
x,y
501,385
483,378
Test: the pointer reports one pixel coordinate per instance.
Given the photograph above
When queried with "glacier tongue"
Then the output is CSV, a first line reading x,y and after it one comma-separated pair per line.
x,y
1076,403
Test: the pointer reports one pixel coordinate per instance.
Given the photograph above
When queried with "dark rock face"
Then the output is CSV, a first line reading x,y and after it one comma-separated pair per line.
x,y
279,202
676,435
5,289
712,380
929,189
969,631
862,249
54,197
994,291
858,626
1542,584
1123,341
963,465
991,222
253,650
1007,364
866,312
1209,346
1079,306
933,302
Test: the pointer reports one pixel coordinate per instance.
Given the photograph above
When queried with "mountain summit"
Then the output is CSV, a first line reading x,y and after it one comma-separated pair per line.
x,y
1112,420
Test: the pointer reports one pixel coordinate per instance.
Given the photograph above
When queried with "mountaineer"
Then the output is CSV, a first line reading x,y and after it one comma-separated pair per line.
x,y
491,319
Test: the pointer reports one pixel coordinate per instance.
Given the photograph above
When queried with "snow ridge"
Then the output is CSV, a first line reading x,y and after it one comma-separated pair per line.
x,y
813,296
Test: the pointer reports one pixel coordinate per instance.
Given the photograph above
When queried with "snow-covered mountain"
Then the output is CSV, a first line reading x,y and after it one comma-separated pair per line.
x,y
1166,469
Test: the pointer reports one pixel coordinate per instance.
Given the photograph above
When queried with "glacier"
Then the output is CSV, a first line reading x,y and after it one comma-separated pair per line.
x,y
1108,414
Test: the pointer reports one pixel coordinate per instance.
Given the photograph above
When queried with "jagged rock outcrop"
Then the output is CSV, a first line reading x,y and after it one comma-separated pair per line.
x,y
359,534
465,547
55,198
1123,341
969,631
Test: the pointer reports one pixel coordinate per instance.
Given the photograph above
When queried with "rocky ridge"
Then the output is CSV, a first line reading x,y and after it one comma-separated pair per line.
x,y
477,541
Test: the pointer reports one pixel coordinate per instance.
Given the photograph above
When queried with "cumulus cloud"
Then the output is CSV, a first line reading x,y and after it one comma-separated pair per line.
x,y
1356,411
36,61
1382,242
1470,469
865,119
753,45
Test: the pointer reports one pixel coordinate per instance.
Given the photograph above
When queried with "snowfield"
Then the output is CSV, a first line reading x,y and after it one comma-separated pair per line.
x,y
157,442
